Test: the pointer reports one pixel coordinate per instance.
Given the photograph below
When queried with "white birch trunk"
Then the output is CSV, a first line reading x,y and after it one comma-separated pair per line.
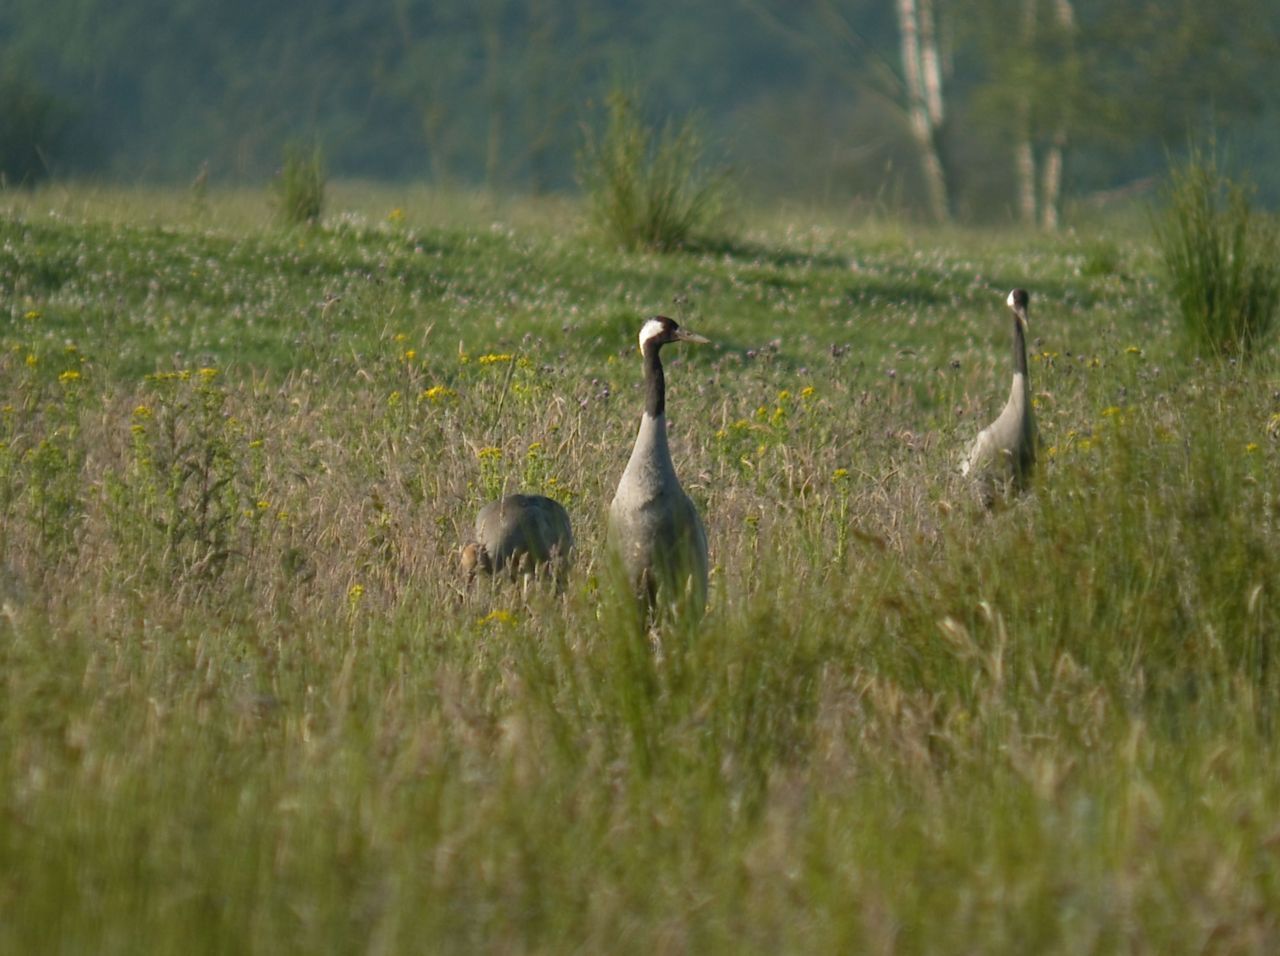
x,y
1024,154
1051,181
1024,166
923,128
931,64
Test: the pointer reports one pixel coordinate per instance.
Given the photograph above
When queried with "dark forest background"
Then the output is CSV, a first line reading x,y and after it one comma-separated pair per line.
x,y
802,99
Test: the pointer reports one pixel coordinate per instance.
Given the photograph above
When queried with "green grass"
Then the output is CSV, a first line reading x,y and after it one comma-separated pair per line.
x,y
299,187
247,704
648,188
1219,257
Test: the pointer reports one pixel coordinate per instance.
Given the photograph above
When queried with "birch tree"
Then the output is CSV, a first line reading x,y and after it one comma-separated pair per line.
x,y
1039,178
914,84
1051,173
922,73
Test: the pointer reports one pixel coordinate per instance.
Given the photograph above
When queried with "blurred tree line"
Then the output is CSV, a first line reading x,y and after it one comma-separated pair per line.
x,y
981,109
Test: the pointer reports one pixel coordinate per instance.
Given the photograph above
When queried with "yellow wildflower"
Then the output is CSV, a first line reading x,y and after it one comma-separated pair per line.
x,y
489,453
399,337
840,474
32,315
354,595
393,400
32,360
498,616
436,393
396,215
494,357
784,395
142,411
807,392
1133,350
1251,447
70,375
410,354
208,374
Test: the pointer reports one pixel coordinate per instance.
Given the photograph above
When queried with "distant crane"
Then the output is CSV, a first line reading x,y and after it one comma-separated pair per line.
x,y
1004,453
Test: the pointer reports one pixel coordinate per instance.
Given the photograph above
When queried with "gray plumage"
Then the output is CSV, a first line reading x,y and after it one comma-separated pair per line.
x,y
654,528
1004,453
520,535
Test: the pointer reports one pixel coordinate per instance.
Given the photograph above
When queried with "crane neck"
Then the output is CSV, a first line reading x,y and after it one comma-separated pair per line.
x,y
1020,350
655,383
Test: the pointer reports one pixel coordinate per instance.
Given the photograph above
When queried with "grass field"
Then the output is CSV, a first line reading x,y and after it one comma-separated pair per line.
x,y
248,706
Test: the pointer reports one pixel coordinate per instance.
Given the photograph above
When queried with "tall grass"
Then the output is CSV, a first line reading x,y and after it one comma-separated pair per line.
x,y
247,704
1221,259
648,188
300,186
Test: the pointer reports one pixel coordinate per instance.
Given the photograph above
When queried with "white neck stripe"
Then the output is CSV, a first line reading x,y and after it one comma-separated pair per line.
x,y
651,330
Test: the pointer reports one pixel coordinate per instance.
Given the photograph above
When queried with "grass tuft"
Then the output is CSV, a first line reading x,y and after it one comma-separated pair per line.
x,y
648,188
1220,260
300,186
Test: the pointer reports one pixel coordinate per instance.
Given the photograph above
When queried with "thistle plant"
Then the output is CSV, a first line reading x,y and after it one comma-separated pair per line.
x,y
181,480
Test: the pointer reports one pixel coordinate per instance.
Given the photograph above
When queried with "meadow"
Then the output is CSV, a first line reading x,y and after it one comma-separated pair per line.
x,y
248,704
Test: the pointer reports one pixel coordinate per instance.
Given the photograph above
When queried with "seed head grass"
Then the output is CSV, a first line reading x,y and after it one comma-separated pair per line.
x,y
249,701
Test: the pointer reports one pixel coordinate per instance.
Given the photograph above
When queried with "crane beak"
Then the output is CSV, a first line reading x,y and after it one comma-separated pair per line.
x,y
684,335
1021,314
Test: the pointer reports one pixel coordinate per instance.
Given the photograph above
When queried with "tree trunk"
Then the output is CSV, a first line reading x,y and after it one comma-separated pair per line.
x,y
922,71
1024,166
931,64
1024,153
1051,182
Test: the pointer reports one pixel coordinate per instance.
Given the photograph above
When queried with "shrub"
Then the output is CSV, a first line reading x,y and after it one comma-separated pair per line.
x,y
647,188
1219,259
300,186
